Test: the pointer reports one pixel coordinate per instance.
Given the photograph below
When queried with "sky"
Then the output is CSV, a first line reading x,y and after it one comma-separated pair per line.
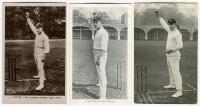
x,y
113,12
187,10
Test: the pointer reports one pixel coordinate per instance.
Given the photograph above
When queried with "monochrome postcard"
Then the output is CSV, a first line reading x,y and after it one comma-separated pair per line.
x,y
165,52
99,34
34,53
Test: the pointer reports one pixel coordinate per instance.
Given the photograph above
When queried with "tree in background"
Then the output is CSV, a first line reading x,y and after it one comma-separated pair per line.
x,y
80,18
16,26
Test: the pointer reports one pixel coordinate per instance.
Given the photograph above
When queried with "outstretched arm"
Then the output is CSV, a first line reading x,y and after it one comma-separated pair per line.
x,y
162,22
30,23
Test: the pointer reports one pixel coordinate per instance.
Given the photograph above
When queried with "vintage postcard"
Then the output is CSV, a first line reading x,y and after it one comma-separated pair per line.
x,y
100,68
34,53
165,52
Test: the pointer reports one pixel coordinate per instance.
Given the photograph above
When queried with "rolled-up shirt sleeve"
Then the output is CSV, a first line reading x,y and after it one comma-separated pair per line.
x,y
164,24
179,41
46,45
104,40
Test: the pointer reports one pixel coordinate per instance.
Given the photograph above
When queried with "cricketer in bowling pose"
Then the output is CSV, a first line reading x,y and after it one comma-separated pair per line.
x,y
174,44
100,54
41,49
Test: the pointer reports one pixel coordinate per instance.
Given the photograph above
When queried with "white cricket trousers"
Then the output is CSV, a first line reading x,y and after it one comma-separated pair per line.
x,y
174,71
40,67
101,70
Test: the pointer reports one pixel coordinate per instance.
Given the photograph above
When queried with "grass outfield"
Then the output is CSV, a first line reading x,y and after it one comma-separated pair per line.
x,y
26,69
84,71
152,53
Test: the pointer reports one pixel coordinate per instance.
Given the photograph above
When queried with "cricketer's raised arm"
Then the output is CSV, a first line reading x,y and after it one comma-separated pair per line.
x,y
30,23
162,22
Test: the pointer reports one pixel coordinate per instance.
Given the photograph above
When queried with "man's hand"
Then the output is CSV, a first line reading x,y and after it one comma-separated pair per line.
x,y
44,58
101,55
169,51
157,13
27,14
97,62
101,52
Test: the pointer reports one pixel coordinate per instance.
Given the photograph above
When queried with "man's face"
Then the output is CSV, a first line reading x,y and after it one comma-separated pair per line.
x,y
39,30
172,26
97,24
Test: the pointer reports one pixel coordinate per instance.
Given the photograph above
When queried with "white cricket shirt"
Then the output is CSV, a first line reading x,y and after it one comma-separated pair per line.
x,y
101,39
41,44
174,39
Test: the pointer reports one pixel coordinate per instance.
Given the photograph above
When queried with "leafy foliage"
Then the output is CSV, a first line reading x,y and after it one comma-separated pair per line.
x,y
16,26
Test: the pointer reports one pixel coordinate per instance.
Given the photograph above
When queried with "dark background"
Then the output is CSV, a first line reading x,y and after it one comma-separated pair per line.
x,y
17,28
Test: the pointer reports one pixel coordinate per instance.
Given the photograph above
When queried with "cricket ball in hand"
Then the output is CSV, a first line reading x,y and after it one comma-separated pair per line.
x,y
156,12
27,13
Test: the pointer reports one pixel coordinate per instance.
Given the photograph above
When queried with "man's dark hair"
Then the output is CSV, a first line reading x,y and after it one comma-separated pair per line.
x,y
97,18
171,21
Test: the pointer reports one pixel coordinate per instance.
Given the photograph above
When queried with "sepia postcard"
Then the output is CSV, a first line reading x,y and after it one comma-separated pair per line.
x,y
165,52
34,53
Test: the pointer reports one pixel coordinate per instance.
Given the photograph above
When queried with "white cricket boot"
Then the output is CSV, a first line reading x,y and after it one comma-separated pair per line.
x,y
169,86
177,94
36,76
98,85
40,87
102,93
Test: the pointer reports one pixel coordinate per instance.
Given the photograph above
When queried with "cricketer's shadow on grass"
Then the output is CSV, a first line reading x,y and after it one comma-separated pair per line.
x,y
84,88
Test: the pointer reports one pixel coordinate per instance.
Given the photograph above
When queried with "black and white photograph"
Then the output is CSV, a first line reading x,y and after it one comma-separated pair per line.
x,y
34,52
99,55
165,52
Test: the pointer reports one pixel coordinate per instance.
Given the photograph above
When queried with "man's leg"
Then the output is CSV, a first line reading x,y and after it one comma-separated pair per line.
x,y
41,73
103,78
177,76
97,66
36,62
98,72
103,81
171,77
